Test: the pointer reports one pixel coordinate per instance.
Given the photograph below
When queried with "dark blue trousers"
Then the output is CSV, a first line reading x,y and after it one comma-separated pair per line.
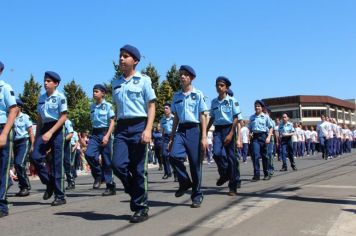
x,y
225,157
130,161
270,165
94,149
287,151
4,172
295,148
54,177
308,145
244,151
324,146
187,143
259,149
21,150
166,156
68,162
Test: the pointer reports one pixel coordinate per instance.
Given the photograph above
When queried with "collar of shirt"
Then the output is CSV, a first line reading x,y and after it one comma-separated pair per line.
x,y
137,75
181,93
100,104
54,94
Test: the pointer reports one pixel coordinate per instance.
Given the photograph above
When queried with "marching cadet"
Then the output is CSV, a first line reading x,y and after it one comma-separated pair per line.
x,y
261,129
188,107
8,113
102,118
245,137
286,131
135,112
68,154
225,116
323,128
157,146
166,127
23,144
52,109
314,139
307,134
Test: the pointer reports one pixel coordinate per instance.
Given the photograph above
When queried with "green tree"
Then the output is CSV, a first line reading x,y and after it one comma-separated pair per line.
x,y
29,97
173,78
151,71
73,93
80,115
165,94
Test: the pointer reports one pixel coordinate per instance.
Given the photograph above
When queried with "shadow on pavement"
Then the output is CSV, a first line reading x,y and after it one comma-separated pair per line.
x,y
90,215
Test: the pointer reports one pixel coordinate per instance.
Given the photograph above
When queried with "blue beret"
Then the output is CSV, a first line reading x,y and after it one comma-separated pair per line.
x,y
53,76
133,51
188,69
260,102
224,80
1,66
230,93
100,87
19,102
167,104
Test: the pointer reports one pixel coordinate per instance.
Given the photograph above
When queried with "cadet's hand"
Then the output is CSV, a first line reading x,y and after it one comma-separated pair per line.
x,y
238,143
3,140
46,137
146,136
204,144
31,148
170,144
105,141
227,139
268,140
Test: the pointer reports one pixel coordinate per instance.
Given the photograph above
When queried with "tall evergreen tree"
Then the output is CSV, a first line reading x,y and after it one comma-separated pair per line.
x,y
151,71
29,97
73,93
173,78
80,115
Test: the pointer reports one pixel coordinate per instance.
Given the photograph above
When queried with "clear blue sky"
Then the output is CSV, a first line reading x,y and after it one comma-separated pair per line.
x,y
267,48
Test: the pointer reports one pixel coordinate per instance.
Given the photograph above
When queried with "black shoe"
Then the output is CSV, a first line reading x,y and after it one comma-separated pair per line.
x,y
138,217
255,178
97,183
58,202
267,177
232,192
109,192
48,193
283,169
3,214
182,189
23,193
70,186
196,204
165,177
220,181
294,168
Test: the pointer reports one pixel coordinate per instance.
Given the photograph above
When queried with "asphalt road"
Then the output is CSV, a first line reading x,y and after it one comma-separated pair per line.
x,y
318,199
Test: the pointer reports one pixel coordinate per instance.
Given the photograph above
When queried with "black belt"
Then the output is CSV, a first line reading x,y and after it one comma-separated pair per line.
x,y
21,140
100,130
188,125
131,121
220,127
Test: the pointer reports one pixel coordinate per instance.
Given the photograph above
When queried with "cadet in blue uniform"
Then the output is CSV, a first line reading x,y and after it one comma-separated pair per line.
x,y
286,131
157,141
68,154
52,109
8,113
166,127
100,143
225,114
23,143
188,107
261,128
135,112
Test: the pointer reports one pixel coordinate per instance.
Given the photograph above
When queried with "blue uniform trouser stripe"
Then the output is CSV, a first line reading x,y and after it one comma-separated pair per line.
x,y
259,148
130,163
21,150
56,145
187,143
287,151
96,149
4,173
226,158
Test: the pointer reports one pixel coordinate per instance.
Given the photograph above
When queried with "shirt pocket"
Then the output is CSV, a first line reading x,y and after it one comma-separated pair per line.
x,y
226,109
103,113
53,106
134,93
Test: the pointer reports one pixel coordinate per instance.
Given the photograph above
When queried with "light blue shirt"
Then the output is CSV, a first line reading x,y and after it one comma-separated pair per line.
x,y
74,138
50,108
7,100
21,125
188,107
167,124
260,123
68,127
286,128
132,96
100,114
224,111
